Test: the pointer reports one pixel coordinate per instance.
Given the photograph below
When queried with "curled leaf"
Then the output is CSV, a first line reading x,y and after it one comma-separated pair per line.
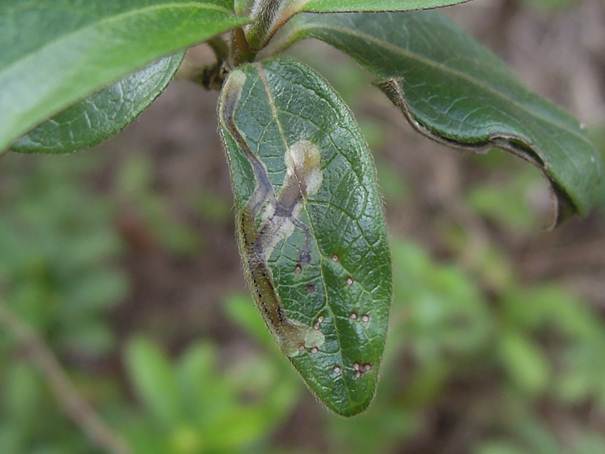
x,y
457,92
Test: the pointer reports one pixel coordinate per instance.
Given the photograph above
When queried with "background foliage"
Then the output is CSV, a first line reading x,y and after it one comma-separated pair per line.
x,y
497,328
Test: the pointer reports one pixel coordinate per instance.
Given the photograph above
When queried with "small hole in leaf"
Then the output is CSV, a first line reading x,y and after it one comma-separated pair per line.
x,y
318,322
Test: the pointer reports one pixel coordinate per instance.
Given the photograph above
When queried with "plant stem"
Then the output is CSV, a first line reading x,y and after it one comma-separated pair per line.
x,y
264,13
240,49
78,410
220,48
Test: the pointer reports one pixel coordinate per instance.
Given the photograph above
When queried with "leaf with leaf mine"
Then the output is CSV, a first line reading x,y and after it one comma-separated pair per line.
x,y
310,226
454,90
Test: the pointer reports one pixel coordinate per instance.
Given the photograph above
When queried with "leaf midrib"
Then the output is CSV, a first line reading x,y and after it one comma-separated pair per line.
x,y
454,72
306,3
108,20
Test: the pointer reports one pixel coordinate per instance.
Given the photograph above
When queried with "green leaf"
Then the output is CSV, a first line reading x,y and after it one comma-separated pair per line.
x,y
55,53
455,91
327,6
103,114
499,447
154,381
270,15
524,362
597,134
197,382
310,226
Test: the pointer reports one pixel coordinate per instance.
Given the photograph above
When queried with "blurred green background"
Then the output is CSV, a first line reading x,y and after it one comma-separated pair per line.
x,y
123,262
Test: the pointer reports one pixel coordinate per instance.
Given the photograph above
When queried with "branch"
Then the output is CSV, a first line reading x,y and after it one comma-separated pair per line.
x,y
76,408
264,13
220,49
240,48
268,17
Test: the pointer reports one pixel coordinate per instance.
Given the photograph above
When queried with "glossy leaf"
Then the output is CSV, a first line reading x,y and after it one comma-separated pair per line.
x,y
457,92
55,53
100,116
310,225
154,380
327,6
268,19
